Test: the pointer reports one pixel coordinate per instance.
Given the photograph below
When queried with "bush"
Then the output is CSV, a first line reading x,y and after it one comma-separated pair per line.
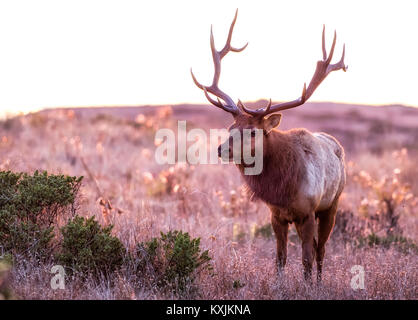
x,y
399,242
24,238
5,266
169,181
87,248
386,198
348,226
29,205
237,284
175,259
265,231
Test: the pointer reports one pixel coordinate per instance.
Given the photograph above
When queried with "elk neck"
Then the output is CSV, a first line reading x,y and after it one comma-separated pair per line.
x,y
280,179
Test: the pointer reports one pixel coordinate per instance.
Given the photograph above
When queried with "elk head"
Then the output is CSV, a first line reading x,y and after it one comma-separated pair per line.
x,y
261,120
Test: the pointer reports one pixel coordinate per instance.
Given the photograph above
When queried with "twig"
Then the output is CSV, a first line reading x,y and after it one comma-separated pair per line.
x,y
91,176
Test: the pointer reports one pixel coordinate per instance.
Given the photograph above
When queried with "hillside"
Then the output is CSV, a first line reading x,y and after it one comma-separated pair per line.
x,y
358,127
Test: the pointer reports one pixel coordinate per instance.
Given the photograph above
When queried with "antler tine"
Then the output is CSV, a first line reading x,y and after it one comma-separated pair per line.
x,y
217,57
304,92
257,112
323,68
216,103
268,106
331,53
324,49
249,111
339,65
197,83
228,46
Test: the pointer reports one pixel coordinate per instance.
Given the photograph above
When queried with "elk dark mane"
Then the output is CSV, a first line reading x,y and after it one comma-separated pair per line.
x,y
282,172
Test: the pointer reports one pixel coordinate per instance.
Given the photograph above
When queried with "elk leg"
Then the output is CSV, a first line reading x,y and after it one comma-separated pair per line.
x,y
315,245
326,223
280,230
305,230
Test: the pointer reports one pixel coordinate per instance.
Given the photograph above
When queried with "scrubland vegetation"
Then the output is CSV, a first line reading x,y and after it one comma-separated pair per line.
x,y
85,192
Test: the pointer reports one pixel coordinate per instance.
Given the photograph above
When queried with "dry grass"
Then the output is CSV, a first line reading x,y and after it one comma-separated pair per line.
x,y
124,186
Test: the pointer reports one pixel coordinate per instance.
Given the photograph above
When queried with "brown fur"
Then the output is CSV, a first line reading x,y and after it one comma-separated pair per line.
x,y
283,170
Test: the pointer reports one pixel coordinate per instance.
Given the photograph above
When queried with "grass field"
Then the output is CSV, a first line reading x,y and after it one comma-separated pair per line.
x,y
124,186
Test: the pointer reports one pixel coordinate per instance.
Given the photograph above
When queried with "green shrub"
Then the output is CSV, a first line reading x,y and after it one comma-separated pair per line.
x,y
237,284
27,238
11,124
5,266
174,257
29,205
399,242
87,248
265,231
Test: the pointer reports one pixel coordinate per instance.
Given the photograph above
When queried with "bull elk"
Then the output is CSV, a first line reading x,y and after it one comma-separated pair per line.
x,y
303,173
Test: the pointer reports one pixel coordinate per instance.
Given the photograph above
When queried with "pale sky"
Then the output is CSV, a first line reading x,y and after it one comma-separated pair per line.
x,y
94,53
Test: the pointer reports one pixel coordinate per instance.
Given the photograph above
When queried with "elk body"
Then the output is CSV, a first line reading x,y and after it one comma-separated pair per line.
x,y
303,173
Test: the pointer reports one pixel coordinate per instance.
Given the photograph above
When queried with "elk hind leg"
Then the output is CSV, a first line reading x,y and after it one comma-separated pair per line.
x,y
305,231
325,226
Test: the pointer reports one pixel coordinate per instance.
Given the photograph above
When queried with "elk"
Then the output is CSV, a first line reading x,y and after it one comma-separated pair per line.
x,y
303,173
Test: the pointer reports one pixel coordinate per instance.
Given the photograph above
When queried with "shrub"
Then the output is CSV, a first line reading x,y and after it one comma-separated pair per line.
x,y
5,266
399,242
12,125
238,203
24,237
29,205
237,284
386,198
175,258
169,181
348,226
42,197
87,248
265,231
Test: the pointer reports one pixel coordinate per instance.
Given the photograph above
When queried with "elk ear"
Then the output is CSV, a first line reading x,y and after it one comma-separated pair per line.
x,y
272,122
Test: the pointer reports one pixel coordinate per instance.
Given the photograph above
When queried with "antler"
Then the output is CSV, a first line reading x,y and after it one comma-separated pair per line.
x,y
217,57
323,68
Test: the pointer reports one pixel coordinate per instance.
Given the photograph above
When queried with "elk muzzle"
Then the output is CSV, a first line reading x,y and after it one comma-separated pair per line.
x,y
225,152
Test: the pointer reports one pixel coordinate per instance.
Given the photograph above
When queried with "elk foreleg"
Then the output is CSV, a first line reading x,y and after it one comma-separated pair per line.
x,y
280,230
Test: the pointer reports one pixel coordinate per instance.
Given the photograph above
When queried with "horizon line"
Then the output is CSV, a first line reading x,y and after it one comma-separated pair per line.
x,y
8,114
